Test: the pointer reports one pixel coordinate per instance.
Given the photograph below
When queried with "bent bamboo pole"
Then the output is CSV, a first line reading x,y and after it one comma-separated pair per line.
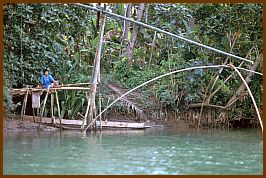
x,y
149,81
251,95
156,78
162,31
248,70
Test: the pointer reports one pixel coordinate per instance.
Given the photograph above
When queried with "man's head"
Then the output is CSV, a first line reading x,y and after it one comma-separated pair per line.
x,y
45,72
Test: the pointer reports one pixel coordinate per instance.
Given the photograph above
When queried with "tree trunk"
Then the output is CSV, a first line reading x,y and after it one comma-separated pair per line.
x,y
127,23
126,28
134,35
242,87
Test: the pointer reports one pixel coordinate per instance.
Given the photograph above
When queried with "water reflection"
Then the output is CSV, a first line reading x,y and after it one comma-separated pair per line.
x,y
150,151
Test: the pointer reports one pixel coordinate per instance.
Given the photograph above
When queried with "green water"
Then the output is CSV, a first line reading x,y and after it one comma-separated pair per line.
x,y
150,151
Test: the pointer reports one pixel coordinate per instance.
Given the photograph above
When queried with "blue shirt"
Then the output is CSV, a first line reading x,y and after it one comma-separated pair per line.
x,y
46,80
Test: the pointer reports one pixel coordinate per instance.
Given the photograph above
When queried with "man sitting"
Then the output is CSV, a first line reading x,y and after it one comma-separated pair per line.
x,y
47,80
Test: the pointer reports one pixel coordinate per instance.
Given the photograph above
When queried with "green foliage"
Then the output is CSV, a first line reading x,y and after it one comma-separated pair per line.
x,y
36,37
132,76
63,38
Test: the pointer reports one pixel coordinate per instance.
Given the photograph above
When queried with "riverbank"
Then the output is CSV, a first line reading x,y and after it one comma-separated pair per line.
x,y
13,123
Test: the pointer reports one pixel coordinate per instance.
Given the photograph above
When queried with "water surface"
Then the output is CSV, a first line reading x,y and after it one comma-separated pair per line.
x,y
150,151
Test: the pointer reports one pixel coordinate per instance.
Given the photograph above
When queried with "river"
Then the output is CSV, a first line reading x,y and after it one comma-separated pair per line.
x,y
150,151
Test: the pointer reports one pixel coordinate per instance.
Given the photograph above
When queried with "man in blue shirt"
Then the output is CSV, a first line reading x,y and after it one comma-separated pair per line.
x,y
47,80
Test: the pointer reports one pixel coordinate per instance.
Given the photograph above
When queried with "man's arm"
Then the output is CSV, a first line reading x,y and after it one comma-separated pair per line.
x,y
52,80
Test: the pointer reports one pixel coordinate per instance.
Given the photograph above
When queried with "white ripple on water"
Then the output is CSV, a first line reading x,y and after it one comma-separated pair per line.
x,y
24,143
239,162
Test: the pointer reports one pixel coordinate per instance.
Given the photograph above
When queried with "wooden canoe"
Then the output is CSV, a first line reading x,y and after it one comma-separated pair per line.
x,y
76,124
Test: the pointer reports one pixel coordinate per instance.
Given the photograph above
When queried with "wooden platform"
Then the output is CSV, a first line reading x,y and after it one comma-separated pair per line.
x,y
76,124
22,91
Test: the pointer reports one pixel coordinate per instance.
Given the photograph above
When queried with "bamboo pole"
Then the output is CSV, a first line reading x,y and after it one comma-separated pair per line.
x,y
213,93
95,114
38,112
33,113
87,110
100,110
248,70
24,105
162,31
251,95
149,81
97,69
76,84
52,108
58,109
207,99
44,103
51,89
100,104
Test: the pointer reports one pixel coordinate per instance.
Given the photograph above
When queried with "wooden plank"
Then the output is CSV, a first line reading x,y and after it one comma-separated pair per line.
x,y
76,84
16,91
121,124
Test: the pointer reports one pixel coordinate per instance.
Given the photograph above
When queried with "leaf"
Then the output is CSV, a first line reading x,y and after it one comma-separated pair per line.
x,y
121,9
129,35
76,56
95,41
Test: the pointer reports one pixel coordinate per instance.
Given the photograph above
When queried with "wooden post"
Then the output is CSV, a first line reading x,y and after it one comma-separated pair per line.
x,y
100,110
45,99
24,105
58,109
22,108
38,112
96,70
95,114
33,112
87,111
52,108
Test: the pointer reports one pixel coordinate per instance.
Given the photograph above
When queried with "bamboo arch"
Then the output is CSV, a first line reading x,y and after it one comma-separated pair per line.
x,y
183,70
